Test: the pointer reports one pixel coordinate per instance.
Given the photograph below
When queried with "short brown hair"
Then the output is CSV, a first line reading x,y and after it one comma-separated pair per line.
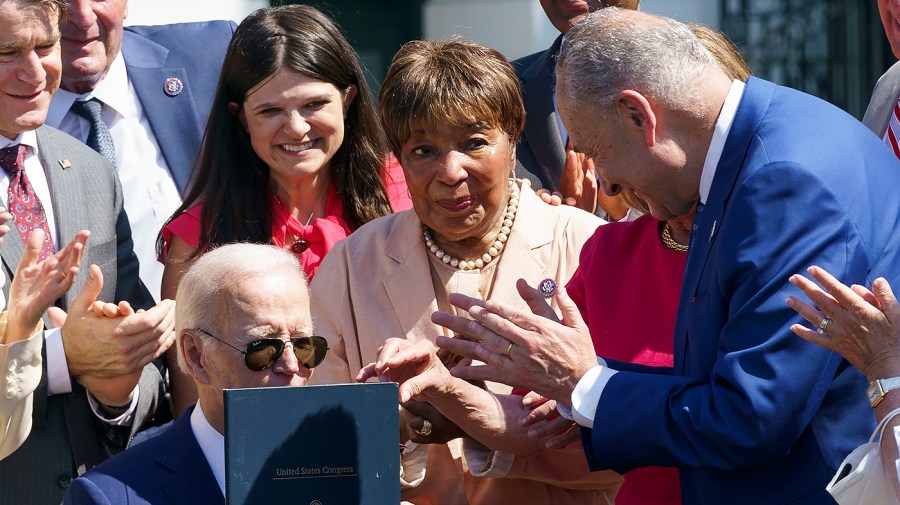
x,y
453,81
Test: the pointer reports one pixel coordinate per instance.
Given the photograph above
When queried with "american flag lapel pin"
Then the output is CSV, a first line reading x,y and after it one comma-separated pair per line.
x,y
65,164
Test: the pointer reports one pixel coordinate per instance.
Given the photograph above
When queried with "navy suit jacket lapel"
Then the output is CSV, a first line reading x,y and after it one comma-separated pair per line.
x,y
541,128
185,459
708,220
145,62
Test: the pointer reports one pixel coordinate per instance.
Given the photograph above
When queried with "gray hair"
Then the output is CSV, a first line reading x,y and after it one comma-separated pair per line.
x,y
222,271
614,49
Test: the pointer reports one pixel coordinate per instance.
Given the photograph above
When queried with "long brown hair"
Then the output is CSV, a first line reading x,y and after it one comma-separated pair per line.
x,y
230,179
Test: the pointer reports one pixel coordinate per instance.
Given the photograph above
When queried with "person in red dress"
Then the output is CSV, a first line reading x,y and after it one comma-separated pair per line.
x,y
293,155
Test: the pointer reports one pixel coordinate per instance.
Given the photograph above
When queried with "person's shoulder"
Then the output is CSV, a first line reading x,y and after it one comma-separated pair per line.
x,y
181,42
178,31
536,61
523,63
376,232
562,214
891,75
75,154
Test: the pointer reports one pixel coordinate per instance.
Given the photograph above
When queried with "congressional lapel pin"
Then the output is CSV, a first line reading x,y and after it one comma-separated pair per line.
x,y
65,164
173,86
547,287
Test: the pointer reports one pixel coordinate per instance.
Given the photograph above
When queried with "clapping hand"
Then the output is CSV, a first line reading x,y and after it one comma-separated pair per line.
x,y
36,285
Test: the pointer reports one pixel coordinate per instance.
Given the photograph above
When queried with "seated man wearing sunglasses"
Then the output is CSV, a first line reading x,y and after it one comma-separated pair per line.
x,y
242,318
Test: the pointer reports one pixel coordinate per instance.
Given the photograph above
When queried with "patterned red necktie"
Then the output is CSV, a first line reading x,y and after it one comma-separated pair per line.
x,y
27,211
892,136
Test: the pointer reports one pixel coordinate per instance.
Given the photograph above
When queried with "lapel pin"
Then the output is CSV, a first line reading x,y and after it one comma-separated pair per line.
x,y
547,287
712,232
65,164
173,86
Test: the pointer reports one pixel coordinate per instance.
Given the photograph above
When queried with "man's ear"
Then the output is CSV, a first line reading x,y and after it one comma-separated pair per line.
x,y
636,113
349,96
191,348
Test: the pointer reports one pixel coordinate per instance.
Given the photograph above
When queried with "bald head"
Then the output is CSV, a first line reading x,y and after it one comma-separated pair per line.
x,y
227,277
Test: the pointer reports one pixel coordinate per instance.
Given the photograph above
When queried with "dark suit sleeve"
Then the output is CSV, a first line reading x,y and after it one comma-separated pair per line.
x,y
84,491
128,283
765,383
152,394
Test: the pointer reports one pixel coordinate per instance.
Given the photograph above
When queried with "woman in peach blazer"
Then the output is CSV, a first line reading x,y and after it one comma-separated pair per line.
x,y
472,230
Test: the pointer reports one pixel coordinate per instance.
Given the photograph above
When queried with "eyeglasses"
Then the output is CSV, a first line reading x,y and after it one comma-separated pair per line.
x,y
263,353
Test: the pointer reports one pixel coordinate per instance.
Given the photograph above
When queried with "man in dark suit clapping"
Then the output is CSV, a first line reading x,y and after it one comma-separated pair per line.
x,y
53,182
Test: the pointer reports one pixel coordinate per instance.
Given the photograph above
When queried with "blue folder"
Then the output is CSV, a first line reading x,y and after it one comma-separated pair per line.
x,y
327,445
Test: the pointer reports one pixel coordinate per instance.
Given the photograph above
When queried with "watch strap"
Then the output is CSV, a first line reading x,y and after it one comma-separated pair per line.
x,y
878,388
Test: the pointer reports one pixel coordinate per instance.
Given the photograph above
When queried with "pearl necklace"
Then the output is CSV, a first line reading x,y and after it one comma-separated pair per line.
x,y
512,206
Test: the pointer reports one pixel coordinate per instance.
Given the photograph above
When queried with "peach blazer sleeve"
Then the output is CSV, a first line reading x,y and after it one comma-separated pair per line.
x,y
21,374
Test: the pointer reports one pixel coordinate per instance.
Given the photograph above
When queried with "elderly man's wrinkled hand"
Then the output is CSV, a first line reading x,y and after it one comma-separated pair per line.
x,y
101,346
862,326
530,350
414,365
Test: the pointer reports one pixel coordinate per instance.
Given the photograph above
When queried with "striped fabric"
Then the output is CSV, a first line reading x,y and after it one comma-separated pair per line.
x,y
893,131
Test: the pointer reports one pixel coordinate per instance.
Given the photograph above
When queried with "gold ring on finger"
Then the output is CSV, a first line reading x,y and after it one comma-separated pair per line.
x,y
823,325
509,349
425,430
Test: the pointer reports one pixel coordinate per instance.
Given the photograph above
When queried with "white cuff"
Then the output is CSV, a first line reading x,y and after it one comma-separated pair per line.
x,y
58,381
122,420
587,393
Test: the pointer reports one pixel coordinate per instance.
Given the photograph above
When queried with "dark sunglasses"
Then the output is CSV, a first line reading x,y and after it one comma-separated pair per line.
x,y
263,353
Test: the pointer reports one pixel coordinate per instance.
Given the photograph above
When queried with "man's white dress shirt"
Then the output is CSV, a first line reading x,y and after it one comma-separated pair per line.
x,y
211,442
150,194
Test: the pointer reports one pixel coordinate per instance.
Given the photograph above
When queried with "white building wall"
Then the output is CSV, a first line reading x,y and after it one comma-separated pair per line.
x,y
513,27
520,27
160,12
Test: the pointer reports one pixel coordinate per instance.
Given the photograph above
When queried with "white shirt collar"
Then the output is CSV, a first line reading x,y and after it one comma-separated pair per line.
x,y
112,90
720,135
211,442
28,138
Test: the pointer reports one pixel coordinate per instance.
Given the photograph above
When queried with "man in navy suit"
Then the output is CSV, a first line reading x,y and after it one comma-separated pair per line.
x,y
152,86
781,180
232,298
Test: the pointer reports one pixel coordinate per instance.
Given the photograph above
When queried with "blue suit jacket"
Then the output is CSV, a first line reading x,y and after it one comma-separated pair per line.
x,y
750,412
169,468
192,53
